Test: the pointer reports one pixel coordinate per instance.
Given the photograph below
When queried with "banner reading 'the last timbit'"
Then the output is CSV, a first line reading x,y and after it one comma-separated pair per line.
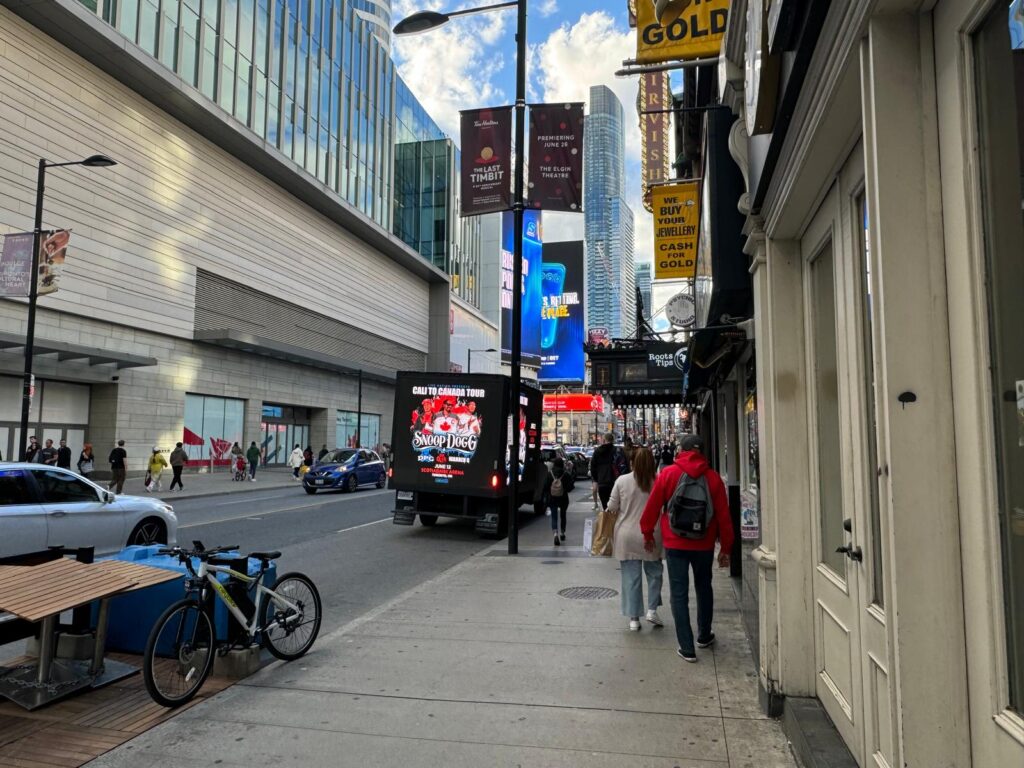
x,y
556,158
486,160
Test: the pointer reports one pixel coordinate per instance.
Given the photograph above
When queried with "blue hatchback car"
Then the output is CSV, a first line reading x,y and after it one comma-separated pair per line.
x,y
345,469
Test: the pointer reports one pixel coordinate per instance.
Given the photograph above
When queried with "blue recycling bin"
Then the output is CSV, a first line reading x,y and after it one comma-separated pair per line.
x,y
133,614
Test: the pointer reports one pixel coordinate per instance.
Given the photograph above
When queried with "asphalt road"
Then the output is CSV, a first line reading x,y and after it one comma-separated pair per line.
x,y
345,542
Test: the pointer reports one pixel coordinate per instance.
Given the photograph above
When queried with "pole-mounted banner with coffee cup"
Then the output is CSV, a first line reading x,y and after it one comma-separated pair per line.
x,y
676,229
673,30
486,160
556,158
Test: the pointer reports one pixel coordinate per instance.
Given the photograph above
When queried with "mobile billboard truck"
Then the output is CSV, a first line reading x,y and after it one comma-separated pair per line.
x,y
451,442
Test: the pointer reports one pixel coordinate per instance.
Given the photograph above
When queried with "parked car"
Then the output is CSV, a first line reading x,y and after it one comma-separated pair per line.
x,y
43,506
581,461
549,452
345,469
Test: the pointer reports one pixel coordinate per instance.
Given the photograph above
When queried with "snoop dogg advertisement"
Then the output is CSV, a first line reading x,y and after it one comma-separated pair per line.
x,y
531,287
561,314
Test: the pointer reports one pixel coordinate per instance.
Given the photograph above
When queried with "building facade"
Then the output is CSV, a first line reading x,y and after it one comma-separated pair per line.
x,y
608,222
220,286
882,144
643,284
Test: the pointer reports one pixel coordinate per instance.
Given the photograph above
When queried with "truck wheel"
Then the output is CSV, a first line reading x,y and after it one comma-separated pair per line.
x,y
428,521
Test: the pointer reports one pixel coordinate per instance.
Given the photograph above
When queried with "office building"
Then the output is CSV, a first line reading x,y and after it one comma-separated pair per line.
x,y
231,277
643,283
608,220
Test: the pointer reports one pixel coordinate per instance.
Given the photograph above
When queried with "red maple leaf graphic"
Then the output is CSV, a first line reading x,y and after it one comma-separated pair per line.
x,y
445,426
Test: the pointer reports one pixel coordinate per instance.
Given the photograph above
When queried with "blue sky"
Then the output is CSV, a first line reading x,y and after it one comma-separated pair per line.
x,y
573,44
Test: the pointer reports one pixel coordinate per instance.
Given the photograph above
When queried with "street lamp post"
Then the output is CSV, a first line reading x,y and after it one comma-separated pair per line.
x,y
93,161
422,22
469,357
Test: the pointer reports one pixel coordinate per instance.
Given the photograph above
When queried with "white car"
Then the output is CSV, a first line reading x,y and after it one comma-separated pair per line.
x,y
43,506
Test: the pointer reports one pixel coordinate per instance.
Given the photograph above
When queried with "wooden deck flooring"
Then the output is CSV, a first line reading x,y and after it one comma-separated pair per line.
x,y
82,727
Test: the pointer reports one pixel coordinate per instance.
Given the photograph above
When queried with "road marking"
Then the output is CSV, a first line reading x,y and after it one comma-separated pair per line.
x,y
365,525
286,509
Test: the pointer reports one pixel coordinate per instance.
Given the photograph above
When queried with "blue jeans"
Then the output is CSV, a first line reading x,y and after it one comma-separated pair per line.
x,y
679,563
633,588
559,509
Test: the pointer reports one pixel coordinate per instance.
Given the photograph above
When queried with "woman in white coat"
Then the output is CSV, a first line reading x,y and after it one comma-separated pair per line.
x,y
295,461
629,496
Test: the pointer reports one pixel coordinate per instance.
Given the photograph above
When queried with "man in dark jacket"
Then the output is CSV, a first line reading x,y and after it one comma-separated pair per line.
x,y
682,553
32,450
602,468
64,455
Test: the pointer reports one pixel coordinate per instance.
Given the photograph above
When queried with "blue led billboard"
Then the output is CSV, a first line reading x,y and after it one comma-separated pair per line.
x,y
561,318
531,288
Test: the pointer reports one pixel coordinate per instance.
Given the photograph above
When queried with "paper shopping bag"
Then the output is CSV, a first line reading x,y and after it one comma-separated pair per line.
x,y
602,543
588,533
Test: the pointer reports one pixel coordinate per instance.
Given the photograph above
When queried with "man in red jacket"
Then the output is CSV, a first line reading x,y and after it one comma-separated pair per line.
x,y
682,553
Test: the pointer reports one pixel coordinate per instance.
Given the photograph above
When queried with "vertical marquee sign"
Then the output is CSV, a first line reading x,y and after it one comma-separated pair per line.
x,y
655,105
486,170
556,158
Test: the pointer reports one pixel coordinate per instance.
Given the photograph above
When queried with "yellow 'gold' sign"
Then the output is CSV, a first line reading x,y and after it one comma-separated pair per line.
x,y
688,29
676,226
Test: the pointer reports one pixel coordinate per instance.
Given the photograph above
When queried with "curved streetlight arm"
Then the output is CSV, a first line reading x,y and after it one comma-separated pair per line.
x,y
483,9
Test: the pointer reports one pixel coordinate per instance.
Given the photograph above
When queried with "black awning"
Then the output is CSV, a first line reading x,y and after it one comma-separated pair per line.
x,y
713,353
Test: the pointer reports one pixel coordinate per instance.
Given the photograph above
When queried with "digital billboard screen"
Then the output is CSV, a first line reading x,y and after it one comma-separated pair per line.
x,y
561,314
531,287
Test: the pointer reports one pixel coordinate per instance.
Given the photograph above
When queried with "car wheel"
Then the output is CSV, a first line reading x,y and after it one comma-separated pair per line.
x,y
382,480
310,491
352,484
150,531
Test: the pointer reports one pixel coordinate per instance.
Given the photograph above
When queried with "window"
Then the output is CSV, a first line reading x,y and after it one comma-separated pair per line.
x,y
346,429
13,488
58,487
212,424
999,50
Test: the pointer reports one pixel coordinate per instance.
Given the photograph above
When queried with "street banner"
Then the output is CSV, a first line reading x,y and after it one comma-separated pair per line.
x,y
16,265
574,402
556,158
52,253
561,320
676,228
486,160
531,287
667,360
686,30
655,102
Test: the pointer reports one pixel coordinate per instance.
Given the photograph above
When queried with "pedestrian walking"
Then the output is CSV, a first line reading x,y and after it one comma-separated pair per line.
x,y
667,455
31,452
683,551
177,459
558,486
118,457
307,456
627,502
295,461
86,462
323,452
64,455
236,451
602,468
48,455
157,464
628,449
253,457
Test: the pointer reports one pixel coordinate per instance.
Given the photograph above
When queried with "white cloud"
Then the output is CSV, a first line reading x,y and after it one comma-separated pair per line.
x,y
453,67
546,7
577,56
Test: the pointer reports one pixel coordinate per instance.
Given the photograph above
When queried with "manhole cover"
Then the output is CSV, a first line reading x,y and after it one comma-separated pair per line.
x,y
588,593
550,562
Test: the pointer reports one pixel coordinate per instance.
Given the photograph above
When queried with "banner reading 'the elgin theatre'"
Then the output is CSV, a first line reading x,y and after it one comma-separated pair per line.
x,y
486,160
556,158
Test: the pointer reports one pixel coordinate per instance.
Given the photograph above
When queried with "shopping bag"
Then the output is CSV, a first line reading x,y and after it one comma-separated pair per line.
x,y
602,537
588,533
149,479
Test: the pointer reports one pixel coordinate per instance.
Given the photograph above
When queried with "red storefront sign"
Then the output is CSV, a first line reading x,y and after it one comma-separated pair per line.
x,y
574,402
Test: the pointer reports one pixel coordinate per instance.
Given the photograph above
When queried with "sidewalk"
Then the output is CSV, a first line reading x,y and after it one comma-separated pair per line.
x,y
486,665
199,484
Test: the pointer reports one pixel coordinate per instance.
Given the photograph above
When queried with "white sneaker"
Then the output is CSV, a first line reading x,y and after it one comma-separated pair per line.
x,y
634,625
653,618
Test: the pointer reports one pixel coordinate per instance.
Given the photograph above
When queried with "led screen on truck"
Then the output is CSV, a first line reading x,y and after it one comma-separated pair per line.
x,y
448,433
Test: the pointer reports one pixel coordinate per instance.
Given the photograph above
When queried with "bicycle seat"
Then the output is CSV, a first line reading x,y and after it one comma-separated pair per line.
x,y
265,555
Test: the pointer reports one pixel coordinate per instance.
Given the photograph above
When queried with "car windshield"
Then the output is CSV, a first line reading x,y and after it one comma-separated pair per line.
x,y
339,457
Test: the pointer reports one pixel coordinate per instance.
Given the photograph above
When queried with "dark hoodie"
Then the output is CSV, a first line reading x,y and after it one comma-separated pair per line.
x,y
694,464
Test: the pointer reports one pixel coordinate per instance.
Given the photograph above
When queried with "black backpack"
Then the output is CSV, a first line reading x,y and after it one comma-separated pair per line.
x,y
690,509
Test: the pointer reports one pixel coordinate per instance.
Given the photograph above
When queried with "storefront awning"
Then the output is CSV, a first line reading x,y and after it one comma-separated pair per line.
x,y
713,353
257,345
78,353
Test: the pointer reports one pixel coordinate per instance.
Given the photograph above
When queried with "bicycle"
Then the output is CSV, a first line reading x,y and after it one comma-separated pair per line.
x,y
180,650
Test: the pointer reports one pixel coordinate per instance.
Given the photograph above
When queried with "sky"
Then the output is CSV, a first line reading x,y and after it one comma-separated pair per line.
x,y
573,44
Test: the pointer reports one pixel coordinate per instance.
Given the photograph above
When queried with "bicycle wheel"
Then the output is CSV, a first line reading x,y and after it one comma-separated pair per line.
x,y
289,633
179,654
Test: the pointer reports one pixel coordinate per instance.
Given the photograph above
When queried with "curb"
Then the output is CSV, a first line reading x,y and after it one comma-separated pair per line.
x,y
207,494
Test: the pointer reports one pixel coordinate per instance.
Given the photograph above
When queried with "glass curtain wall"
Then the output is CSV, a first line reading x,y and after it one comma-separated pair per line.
x,y
309,76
